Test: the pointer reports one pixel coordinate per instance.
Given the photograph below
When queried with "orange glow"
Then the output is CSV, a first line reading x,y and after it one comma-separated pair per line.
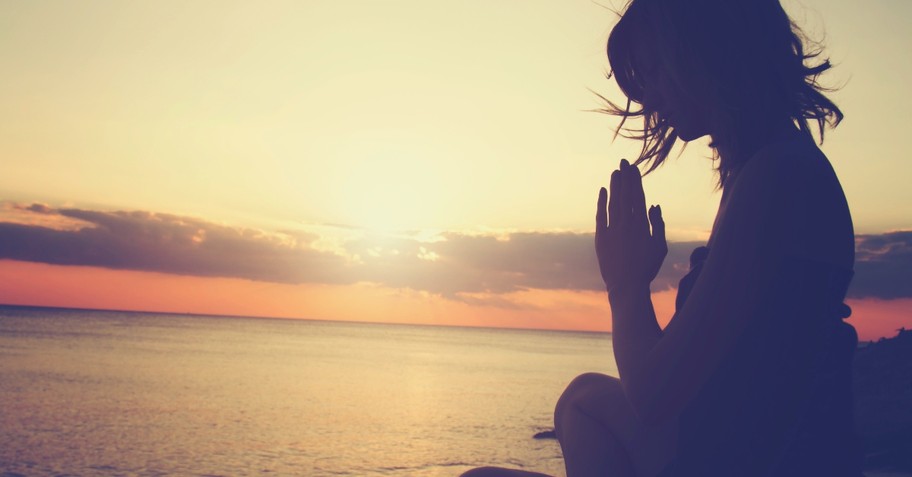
x,y
29,283
875,318
26,283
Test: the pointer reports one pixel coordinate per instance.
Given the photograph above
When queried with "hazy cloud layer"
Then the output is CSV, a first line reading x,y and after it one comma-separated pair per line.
x,y
461,263
168,244
453,265
883,265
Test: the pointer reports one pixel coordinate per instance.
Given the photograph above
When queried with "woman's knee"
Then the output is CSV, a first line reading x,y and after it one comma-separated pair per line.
x,y
583,390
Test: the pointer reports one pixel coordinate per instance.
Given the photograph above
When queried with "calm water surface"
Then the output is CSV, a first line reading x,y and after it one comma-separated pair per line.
x,y
116,393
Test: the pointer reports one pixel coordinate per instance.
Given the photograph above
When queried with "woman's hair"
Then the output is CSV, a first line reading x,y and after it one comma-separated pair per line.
x,y
746,57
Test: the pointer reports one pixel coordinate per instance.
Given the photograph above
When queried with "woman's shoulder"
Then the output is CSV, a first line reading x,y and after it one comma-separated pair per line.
x,y
790,161
792,188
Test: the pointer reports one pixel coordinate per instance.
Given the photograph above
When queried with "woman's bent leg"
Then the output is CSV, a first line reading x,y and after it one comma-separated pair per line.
x,y
601,436
589,441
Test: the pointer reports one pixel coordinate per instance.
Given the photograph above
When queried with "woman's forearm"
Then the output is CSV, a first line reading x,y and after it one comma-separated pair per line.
x,y
634,328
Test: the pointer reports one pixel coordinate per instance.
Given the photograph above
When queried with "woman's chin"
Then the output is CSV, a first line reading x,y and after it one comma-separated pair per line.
x,y
688,135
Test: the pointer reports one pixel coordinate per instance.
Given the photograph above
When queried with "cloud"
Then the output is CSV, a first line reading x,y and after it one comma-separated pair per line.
x,y
472,268
169,244
37,208
467,267
883,266
464,263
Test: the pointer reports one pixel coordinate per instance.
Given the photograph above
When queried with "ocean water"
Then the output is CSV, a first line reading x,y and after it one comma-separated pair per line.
x,y
117,393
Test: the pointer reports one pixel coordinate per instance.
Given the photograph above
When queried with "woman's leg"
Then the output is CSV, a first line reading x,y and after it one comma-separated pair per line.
x,y
601,436
587,420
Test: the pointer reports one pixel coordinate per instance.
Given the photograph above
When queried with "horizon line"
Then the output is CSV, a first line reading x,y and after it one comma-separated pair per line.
x,y
321,320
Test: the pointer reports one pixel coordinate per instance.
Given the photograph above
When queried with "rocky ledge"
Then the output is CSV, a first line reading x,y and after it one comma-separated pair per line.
x,y
883,401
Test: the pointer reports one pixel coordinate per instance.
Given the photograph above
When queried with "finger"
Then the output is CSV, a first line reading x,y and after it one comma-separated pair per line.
x,y
637,199
624,194
637,195
658,223
601,212
624,214
614,198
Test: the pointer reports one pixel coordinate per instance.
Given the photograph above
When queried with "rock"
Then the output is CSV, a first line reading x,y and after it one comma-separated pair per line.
x,y
882,380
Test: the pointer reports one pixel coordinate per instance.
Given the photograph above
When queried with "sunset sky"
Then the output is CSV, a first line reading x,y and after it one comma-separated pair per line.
x,y
410,161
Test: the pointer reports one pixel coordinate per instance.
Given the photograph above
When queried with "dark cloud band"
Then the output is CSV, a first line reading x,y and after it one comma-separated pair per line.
x,y
883,266
168,244
452,265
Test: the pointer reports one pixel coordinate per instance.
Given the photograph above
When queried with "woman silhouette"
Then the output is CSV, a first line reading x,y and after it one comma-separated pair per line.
x,y
752,375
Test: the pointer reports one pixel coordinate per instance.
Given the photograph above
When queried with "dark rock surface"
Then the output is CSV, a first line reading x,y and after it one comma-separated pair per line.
x,y
883,401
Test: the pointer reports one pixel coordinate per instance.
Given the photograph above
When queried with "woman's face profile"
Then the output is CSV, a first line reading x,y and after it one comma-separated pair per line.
x,y
668,98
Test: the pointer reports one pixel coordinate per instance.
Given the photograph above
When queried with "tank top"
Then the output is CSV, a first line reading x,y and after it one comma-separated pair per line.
x,y
780,403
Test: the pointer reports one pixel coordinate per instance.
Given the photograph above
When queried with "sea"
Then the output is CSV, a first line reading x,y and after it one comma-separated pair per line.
x,y
86,393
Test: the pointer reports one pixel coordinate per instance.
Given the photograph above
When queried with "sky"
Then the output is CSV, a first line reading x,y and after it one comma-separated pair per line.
x,y
406,161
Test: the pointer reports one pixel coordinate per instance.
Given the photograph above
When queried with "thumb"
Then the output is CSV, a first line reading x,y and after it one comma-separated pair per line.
x,y
658,223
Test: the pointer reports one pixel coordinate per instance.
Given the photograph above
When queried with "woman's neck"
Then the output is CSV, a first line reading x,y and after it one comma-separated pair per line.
x,y
735,149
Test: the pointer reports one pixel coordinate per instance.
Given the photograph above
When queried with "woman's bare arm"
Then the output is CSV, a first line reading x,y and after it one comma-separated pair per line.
x,y
662,371
629,258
